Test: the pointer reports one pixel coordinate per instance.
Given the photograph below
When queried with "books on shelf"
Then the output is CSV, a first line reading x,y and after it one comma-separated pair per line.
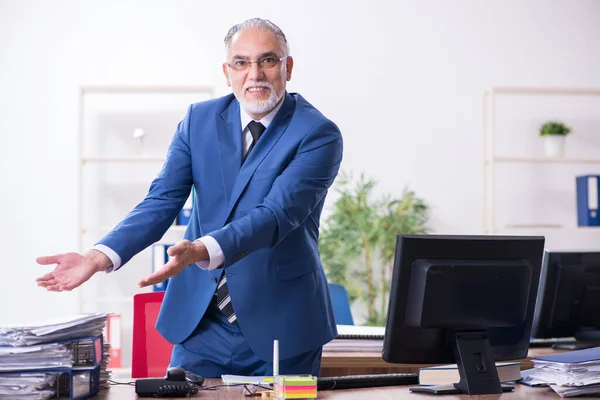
x,y
448,374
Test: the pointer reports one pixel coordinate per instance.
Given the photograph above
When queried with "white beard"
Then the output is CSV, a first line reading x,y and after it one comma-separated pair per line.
x,y
262,106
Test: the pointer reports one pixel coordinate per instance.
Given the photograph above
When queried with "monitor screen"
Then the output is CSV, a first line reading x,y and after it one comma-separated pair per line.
x,y
568,303
452,296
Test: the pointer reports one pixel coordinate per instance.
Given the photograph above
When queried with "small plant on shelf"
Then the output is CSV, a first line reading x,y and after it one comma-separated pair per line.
x,y
554,128
554,134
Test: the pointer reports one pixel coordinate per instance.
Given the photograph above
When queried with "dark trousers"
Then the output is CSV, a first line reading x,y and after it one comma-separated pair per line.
x,y
217,347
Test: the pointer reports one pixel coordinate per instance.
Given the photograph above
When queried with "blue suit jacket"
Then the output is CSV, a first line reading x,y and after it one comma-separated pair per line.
x,y
264,214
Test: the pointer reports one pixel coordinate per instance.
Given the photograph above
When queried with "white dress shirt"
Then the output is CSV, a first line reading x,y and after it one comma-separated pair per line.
x,y
215,253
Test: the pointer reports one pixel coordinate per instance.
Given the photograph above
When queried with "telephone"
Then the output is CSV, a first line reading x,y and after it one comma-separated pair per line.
x,y
177,383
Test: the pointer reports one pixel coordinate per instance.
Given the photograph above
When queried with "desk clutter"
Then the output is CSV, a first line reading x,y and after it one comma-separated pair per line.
x,y
569,374
64,358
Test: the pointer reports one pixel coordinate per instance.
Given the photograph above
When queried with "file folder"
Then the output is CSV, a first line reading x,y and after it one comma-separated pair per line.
x,y
587,200
80,381
87,351
72,384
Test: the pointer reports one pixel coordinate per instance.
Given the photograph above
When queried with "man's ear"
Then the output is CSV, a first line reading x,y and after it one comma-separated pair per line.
x,y
226,73
288,67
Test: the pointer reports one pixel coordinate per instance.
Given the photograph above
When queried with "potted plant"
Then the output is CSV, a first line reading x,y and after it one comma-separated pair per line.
x,y
358,239
554,134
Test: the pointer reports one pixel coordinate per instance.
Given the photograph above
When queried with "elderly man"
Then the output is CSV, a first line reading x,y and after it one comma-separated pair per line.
x,y
248,272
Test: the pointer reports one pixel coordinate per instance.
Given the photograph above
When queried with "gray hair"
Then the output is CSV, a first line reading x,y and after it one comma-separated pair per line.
x,y
258,23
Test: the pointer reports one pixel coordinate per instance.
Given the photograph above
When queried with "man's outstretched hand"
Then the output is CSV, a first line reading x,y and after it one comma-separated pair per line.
x,y
182,254
72,269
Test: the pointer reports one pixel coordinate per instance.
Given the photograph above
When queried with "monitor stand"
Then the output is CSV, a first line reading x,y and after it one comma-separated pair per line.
x,y
477,369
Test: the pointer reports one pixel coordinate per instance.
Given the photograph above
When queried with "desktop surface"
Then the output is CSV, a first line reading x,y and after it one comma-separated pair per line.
x,y
124,392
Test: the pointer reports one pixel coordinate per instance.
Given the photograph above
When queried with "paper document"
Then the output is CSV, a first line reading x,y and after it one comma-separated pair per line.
x,y
248,380
53,330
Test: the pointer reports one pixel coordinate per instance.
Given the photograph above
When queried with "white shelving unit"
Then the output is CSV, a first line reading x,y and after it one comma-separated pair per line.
x,y
87,158
491,159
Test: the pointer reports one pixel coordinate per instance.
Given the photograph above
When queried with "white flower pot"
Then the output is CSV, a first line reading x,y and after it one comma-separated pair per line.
x,y
554,145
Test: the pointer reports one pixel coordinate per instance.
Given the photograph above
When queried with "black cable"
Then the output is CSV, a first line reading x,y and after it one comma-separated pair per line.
x,y
215,387
112,382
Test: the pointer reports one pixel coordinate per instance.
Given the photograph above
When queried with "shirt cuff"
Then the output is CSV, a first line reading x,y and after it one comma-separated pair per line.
x,y
110,253
215,253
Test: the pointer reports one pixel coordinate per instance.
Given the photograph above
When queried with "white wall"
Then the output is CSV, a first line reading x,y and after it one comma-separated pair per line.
x,y
403,80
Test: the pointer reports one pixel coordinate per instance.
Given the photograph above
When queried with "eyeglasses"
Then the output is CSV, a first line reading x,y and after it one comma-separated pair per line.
x,y
265,63
255,390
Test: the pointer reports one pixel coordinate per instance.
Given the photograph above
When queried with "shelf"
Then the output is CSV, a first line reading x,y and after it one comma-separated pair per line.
x,y
553,227
563,160
547,90
141,159
533,226
146,89
94,100
173,228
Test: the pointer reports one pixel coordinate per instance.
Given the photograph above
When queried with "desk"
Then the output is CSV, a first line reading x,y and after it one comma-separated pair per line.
x,y
365,362
381,393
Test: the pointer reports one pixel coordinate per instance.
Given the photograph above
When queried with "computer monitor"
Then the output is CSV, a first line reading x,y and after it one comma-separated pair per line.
x,y
568,303
467,300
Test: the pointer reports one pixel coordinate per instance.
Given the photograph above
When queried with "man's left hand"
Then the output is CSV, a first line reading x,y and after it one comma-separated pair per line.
x,y
182,254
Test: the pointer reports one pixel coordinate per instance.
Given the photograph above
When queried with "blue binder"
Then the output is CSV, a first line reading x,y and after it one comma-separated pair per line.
x,y
72,384
184,216
76,383
587,200
159,259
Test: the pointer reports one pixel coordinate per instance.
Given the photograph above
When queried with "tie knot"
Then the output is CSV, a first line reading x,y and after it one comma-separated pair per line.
x,y
256,129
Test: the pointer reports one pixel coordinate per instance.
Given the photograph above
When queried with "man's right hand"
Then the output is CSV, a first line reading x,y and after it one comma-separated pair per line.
x,y
72,269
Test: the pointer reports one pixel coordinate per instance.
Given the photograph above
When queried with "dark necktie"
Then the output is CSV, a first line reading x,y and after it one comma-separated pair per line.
x,y
256,129
222,292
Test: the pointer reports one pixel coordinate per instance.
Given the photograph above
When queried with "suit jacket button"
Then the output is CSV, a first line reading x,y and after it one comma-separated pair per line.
x,y
214,279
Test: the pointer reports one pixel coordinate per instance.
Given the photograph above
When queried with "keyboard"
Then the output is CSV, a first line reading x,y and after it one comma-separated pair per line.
x,y
547,342
362,381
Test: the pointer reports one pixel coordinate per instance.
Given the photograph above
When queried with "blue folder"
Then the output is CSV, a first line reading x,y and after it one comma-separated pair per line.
x,y
159,259
587,200
572,357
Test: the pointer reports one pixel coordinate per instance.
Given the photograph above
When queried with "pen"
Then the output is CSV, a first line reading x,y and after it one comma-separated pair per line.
x,y
275,358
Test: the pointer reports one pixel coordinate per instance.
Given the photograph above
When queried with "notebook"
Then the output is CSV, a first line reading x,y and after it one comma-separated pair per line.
x,y
360,332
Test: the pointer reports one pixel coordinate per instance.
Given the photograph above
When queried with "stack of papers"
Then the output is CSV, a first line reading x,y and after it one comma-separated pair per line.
x,y
53,330
53,355
32,357
27,386
105,374
569,374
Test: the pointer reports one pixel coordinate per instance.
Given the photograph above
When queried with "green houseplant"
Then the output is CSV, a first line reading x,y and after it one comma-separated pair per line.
x,y
358,239
554,134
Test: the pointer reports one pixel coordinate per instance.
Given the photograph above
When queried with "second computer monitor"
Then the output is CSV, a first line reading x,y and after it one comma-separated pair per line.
x,y
463,299
568,303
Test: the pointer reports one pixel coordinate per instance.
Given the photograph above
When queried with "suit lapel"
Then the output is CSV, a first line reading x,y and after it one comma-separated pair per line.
x,y
261,148
229,136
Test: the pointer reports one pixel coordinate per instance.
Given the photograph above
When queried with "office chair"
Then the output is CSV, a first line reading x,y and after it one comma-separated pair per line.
x,y
151,352
341,304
